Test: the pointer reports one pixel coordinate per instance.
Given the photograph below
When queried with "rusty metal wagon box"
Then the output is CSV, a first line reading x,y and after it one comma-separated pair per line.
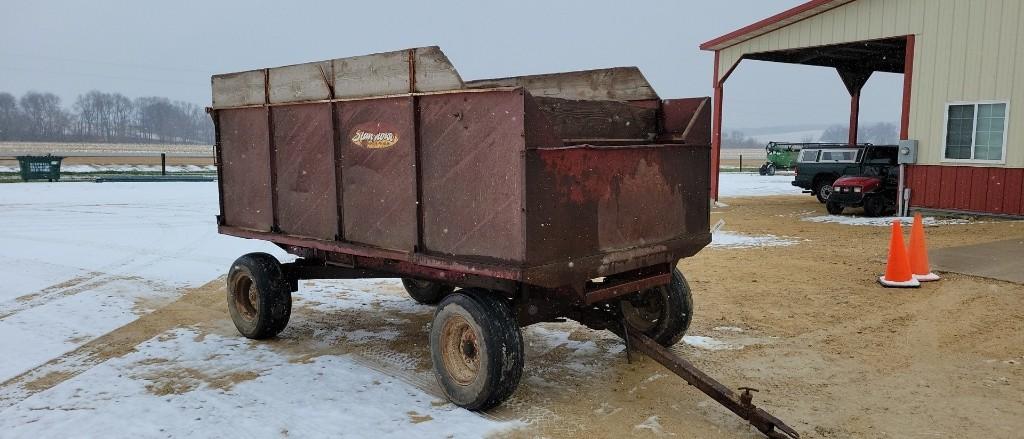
x,y
547,180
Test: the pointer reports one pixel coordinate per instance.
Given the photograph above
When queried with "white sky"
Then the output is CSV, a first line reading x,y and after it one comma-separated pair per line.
x,y
170,48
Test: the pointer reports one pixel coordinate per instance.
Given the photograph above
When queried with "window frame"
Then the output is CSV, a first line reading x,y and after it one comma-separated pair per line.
x,y
855,159
974,132
817,155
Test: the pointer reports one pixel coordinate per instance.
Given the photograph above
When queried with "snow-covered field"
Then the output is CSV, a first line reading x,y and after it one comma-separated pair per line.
x,y
80,260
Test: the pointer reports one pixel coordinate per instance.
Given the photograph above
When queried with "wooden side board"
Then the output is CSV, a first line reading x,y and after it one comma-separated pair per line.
x,y
422,69
614,84
580,120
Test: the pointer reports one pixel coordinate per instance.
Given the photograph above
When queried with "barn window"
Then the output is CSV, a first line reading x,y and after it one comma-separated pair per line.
x,y
976,131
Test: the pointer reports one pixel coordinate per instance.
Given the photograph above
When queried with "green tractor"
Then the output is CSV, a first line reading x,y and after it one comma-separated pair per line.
x,y
780,155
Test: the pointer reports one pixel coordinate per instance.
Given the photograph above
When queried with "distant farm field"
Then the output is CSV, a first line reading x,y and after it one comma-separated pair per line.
x,y
87,160
102,149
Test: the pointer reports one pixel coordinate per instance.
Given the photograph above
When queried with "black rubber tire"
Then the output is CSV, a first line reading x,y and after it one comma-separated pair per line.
x,y
497,347
265,312
425,291
821,186
874,206
763,170
771,169
675,310
834,208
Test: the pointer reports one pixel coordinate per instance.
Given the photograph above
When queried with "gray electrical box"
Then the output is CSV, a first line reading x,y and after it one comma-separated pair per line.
x,y
908,152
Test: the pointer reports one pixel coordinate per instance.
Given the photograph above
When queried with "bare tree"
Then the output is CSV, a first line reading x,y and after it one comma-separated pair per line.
x,y
9,117
44,116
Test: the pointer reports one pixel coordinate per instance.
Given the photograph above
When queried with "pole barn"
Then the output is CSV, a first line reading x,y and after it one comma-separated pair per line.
x,y
963,70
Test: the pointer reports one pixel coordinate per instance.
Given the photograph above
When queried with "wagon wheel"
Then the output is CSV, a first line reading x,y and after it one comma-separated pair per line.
x,y
477,349
259,299
425,291
663,313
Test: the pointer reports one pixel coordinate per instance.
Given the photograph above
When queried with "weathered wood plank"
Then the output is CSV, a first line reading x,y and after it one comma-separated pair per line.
x,y
387,73
371,75
238,89
595,119
614,84
378,74
434,72
301,82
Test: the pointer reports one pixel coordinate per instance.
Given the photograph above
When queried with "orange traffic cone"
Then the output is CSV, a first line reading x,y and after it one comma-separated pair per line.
x,y
919,253
897,268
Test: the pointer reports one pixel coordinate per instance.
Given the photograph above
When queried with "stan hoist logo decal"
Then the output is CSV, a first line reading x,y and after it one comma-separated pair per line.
x,y
374,139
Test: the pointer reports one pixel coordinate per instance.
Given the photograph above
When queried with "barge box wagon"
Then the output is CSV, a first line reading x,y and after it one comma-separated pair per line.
x,y
546,180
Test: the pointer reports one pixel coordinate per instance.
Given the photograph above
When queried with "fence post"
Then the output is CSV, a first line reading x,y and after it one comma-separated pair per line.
x,y
741,162
163,163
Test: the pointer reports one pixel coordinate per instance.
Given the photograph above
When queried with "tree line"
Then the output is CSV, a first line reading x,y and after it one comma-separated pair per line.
x,y
102,117
881,133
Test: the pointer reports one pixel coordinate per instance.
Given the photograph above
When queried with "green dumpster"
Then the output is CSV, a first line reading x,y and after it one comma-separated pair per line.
x,y
35,167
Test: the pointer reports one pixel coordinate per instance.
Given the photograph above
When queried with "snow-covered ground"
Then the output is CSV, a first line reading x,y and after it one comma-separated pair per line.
x,y
183,384
81,261
852,220
743,184
78,259
722,239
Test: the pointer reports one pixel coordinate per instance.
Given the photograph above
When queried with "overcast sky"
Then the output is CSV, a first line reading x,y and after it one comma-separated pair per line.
x,y
170,48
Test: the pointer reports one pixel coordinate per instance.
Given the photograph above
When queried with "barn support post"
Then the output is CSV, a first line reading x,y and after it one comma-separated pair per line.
x,y
716,130
854,80
854,117
908,81
716,141
903,199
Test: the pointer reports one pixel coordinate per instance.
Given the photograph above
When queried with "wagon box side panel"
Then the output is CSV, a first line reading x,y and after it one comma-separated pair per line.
x,y
619,204
245,168
304,155
378,169
471,147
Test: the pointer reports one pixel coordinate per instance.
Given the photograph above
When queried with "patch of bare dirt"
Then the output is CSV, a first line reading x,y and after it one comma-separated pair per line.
x,y
178,380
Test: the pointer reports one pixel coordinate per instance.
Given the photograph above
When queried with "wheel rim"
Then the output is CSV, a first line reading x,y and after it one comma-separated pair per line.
x,y
247,298
825,191
643,311
460,350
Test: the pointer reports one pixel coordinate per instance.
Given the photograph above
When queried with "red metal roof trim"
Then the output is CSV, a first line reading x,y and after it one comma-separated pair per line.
x,y
780,20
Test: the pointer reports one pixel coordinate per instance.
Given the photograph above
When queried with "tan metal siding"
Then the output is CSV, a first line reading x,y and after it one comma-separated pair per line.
x,y
966,50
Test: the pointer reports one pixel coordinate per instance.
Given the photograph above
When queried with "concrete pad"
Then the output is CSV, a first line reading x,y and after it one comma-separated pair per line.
x,y
1002,260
